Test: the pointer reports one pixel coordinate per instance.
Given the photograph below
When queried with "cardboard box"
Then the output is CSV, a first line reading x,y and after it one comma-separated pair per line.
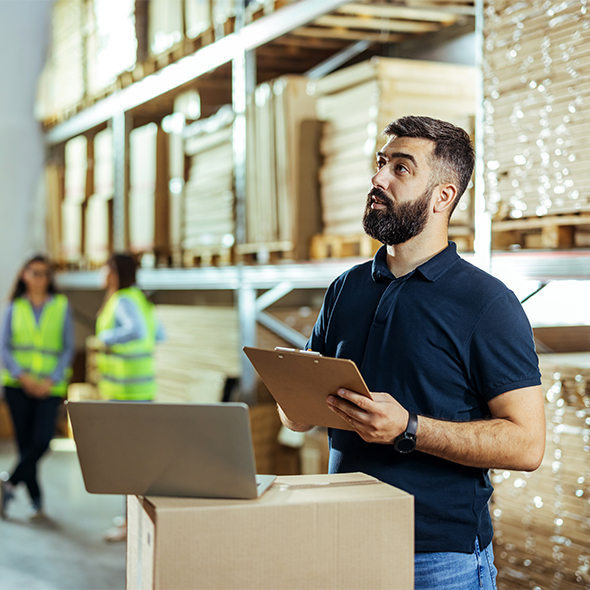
x,y
322,531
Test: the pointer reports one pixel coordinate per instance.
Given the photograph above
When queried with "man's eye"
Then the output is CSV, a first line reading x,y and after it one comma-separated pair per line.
x,y
380,164
401,168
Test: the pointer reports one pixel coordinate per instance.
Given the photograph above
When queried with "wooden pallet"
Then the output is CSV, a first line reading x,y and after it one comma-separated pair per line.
x,y
332,246
207,256
555,231
265,253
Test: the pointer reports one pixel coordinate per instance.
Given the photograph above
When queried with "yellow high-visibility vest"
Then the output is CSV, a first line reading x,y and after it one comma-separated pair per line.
x,y
127,371
37,347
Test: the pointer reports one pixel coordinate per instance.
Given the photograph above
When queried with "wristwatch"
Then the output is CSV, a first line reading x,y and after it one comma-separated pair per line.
x,y
406,441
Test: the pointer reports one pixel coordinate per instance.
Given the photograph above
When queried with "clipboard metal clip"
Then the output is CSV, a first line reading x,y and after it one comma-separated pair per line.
x,y
309,352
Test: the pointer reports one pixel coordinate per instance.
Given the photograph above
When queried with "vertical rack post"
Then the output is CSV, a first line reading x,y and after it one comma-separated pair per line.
x,y
243,81
121,126
481,218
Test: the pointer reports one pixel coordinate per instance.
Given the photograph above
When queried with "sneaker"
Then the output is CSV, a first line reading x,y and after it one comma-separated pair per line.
x,y
6,493
35,510
116,534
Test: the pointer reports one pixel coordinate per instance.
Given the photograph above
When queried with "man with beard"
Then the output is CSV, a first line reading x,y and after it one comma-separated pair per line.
x,y
446,348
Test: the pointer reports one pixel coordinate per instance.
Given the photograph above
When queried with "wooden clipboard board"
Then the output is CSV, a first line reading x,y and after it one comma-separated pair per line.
x,y
301,381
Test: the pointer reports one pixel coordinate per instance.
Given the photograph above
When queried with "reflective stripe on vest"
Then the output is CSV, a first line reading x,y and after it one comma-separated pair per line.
x,y
36,347
127,371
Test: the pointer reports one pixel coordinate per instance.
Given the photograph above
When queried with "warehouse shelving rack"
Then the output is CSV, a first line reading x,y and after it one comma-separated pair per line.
x,y
276,280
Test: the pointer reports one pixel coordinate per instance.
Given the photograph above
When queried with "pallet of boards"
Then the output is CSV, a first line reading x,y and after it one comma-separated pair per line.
x,y
73,206
209,199
282,203
537,128
358,102
541,519
99,210
148,191
111,42
61,86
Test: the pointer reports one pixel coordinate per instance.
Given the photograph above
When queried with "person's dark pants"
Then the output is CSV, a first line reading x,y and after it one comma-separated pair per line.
x,y
34,424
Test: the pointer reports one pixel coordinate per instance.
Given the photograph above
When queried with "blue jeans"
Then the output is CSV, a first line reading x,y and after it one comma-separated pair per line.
x,y
456,571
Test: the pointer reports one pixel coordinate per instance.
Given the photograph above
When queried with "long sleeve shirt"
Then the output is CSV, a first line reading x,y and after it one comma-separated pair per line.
x,y
65,358
129,325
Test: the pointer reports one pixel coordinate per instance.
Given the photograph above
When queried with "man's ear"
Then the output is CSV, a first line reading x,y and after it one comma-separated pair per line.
x,y
447,193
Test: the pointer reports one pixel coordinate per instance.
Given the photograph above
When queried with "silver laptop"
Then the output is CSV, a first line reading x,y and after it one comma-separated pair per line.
x,y
153,449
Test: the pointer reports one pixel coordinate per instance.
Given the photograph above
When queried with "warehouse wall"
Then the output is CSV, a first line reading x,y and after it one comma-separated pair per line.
x,y
24,27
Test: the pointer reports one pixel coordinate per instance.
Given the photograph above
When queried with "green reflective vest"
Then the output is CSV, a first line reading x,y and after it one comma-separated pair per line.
x,y
37,347
127,371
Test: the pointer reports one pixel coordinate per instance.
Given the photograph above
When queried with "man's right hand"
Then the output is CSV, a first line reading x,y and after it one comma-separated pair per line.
x,y
32,387
295,426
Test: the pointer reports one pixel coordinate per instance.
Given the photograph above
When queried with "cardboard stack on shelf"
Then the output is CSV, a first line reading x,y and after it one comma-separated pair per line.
x,y
357,103
282,203
209,217
72,208
111,42
148,191
536,131
62,84
542,519
99,211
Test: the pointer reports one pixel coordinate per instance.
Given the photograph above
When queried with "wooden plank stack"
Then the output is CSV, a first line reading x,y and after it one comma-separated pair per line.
x,y
209,217
99,211
72,208
358,102
111,43
148,192
542,519
282,206
537,129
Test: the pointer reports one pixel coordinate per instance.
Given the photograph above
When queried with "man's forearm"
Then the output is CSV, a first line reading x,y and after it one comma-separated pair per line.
x,y
492,444
295,426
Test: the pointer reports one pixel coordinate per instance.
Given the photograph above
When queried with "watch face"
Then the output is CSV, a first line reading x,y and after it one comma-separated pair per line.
x,y
405,444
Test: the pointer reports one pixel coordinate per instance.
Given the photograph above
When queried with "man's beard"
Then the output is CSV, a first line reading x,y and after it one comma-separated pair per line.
x,y
398,223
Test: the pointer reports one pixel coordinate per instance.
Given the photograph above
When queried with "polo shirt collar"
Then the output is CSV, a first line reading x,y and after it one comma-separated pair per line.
x,y
431,270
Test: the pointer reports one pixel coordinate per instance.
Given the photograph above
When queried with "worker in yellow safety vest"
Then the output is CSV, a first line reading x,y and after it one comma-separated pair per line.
x,y
127,332
37,347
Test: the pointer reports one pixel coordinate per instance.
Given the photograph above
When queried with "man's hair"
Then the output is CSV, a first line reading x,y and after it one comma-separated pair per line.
x,y
454,157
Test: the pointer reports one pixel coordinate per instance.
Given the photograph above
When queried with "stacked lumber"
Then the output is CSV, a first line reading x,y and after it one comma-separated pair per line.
x,y
62,86
111,42
209,200
165,24
358,102
72,208
99,210
54,195
282,206
542,519
537,127
148,191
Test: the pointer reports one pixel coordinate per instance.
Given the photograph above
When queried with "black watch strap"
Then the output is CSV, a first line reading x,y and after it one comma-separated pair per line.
x,y
406,441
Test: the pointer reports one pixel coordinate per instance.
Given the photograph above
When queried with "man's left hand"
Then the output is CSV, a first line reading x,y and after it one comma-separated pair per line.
x,y
378,420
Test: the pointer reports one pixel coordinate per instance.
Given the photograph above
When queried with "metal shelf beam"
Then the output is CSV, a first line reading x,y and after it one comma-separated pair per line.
x,y
188,69
535,265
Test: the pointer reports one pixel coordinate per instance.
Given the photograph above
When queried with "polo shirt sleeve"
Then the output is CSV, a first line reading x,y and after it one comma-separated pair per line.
x,y
501,352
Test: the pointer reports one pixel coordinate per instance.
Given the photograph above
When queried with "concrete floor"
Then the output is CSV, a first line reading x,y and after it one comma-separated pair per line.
x,y
65,551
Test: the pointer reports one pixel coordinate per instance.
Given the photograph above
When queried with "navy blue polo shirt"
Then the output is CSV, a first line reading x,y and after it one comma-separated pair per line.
x,y
443,340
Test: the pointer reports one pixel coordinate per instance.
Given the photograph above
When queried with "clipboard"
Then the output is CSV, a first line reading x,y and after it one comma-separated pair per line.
x,y
300,382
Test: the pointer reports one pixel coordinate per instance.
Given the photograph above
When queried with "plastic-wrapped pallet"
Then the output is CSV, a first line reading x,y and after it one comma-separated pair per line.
x,y
99,209
165,24
76,163
209,224
282,157
197,17
112,42
358,102
148,192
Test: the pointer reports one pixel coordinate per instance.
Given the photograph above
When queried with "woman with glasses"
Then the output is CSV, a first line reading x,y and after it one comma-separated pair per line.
x,y
37,347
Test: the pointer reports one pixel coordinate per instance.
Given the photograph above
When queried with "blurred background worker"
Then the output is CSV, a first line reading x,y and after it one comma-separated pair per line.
x,y
37,348
127,331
